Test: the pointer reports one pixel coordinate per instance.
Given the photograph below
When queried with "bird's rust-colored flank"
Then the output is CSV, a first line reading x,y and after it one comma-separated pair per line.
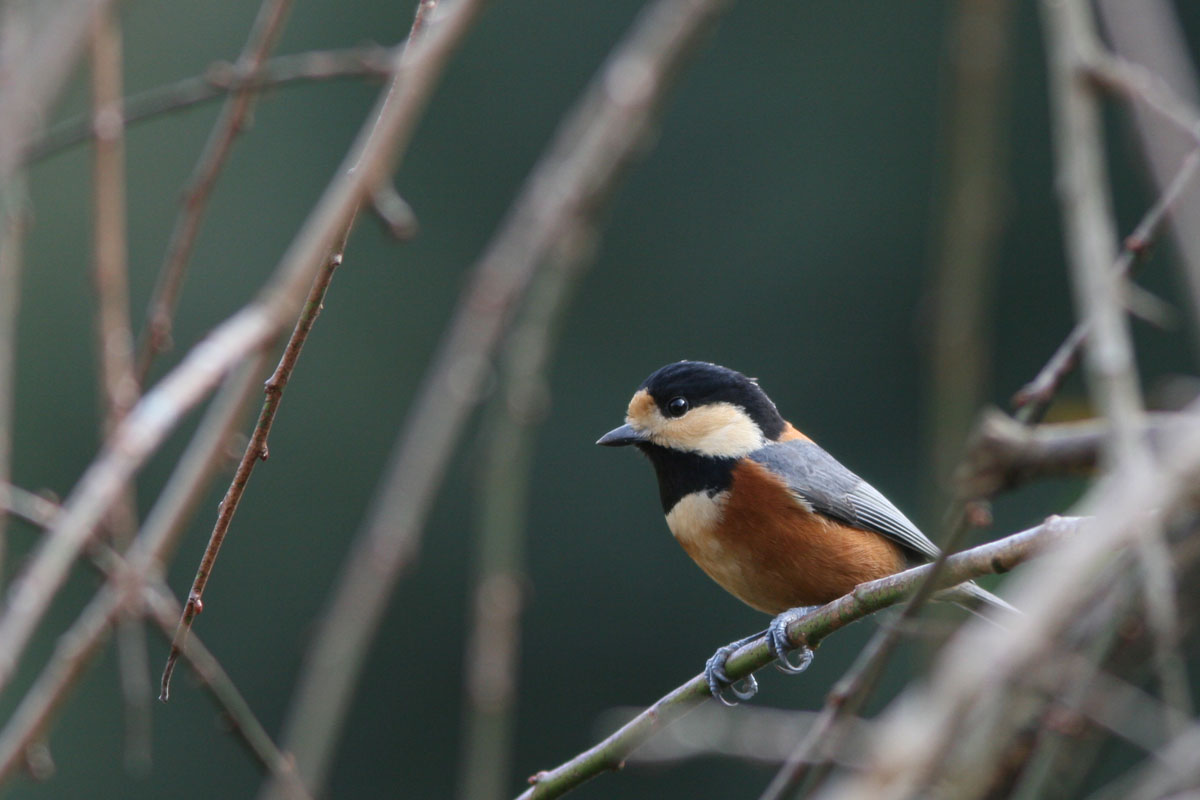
x,y
773,553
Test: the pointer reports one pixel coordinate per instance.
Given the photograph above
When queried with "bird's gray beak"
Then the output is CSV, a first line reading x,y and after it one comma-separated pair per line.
x,y
622,437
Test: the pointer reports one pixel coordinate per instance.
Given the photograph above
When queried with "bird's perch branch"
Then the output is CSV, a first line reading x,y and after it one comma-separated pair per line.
x,y
994,557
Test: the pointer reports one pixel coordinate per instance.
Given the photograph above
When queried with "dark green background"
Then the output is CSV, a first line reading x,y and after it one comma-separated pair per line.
x,y
783,225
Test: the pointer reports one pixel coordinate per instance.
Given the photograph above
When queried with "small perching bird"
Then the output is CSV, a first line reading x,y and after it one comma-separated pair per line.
x,y
769,515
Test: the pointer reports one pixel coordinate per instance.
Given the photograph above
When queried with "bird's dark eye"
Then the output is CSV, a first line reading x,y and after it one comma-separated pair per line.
x,y
677,406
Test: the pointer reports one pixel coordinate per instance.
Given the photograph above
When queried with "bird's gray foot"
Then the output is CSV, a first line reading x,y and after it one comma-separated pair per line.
x,y
780,645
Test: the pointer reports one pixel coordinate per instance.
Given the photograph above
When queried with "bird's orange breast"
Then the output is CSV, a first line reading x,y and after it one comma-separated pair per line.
x,y
771,551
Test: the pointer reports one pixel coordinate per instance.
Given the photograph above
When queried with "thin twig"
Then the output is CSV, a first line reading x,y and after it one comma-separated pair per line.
x,y
221,79
36,61
230,343
256,450
12,235
1150,33
1033,398
149,551
998,556
165,611
973,672
552,218
156,335
114,347
42,700
493,643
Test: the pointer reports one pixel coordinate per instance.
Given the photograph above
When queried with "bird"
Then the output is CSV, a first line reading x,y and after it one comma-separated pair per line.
x,y
767,513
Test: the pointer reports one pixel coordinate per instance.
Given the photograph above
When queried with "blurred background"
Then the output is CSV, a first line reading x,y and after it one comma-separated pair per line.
x,y
788,223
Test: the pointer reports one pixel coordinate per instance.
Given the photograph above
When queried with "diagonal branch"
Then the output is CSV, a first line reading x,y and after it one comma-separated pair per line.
x,y
552,222
1033,398
998,556
75,650
156,336
256,450
222,78
246,332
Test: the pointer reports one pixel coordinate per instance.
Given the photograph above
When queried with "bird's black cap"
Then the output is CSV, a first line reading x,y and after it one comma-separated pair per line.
x,y
702,383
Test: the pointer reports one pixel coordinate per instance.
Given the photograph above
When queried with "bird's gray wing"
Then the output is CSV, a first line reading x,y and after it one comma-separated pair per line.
x,y
829,488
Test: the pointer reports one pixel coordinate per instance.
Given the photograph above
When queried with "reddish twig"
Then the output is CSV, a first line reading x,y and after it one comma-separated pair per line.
x,y
256,450
221,79
161,312
551,223
1033,398
235,341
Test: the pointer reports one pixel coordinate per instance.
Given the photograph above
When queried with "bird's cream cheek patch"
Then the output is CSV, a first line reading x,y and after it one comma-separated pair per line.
x,y
717,429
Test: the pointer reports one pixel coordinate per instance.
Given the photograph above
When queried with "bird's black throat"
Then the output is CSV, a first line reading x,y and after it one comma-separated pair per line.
x,y
681,473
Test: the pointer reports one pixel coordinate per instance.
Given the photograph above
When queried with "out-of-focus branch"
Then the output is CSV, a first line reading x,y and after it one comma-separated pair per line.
x,y
492,651
553,219
1033,398
974,672
156,336
73,653
257,449
971,200
114,346
36,59
1090,231
221,79
1004,454
998,556
1089,226
12,235
114,340
244,333
145,557
1150,34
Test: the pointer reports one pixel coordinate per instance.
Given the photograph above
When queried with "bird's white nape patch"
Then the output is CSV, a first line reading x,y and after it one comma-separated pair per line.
x,y
721,430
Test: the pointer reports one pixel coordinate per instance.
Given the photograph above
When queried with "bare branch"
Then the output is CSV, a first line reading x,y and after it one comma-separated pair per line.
x,y
82,641
1004,454
221,79
243,334
156,336
1033,398
553,219
1151,34
973,672
76,649
998,556
36,61
256,450
114,346
12,234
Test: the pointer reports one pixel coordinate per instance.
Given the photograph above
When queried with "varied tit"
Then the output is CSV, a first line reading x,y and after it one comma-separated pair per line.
x,y
769,515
